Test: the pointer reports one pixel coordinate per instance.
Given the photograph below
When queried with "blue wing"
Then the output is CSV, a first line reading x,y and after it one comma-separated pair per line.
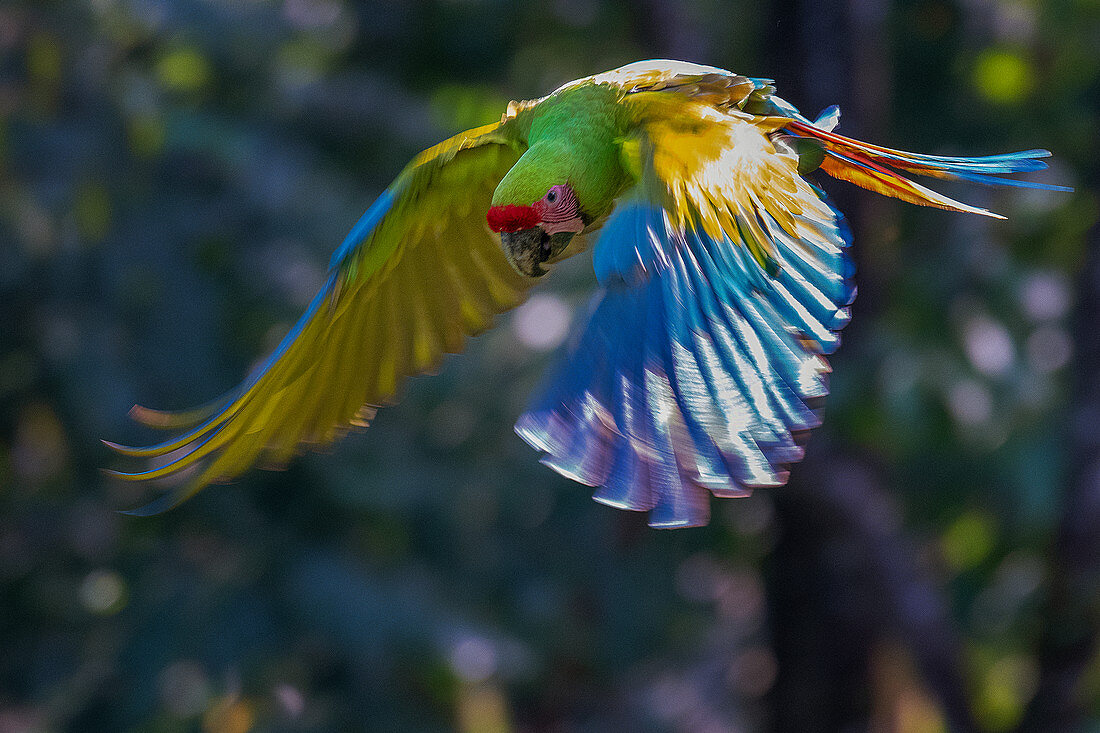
x,y
700,377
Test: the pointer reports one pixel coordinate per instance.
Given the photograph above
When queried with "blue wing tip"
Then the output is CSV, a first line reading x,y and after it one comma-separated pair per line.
x,y
530,428
679,523
367,222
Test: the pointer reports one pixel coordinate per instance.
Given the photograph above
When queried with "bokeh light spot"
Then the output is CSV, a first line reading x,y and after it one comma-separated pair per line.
x,y
1003,76
1006,688
970,403
229,715
103,592
473,659
183,70
483,709
968,540
290,699
542,322
989,346
1045,296
310,14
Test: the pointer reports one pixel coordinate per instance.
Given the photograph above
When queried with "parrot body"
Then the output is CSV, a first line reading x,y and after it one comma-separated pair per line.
x,y
722,274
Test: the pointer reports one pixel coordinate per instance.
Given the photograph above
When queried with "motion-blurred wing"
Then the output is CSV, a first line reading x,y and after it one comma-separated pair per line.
x,y
724,279
417,273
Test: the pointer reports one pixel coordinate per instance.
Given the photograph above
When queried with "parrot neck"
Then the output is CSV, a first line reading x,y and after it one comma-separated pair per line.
x,y
576,134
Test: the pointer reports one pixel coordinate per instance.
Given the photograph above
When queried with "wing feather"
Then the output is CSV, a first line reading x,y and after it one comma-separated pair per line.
x,y
417,273
724,280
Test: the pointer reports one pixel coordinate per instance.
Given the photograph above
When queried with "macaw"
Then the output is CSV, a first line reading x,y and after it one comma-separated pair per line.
x,y
722,277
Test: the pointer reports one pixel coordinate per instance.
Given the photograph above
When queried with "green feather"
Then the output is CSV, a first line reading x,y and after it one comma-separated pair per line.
x,y
574,138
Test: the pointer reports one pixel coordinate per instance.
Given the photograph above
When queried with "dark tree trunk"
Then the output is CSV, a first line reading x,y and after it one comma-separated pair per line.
x,y
844,578
1072,612
822,644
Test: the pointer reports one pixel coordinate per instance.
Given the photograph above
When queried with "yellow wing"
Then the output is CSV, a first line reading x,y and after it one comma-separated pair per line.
x,y
721,171
419,272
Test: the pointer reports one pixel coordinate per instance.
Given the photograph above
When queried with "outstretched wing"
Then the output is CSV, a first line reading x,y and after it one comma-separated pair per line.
x,y
417,273
724,280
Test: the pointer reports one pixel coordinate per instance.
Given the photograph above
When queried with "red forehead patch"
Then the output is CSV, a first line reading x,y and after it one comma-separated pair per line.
x,y
511,218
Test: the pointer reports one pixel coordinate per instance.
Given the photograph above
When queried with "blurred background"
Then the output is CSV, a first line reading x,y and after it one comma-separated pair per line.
x,y
173,178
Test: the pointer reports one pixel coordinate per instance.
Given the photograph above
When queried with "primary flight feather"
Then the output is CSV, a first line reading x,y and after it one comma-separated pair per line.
x,y
722,276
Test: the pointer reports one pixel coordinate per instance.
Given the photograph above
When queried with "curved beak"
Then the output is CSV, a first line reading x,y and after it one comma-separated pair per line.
x,y
527,249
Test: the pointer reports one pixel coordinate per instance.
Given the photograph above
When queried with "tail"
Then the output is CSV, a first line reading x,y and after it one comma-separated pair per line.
x,y
876,168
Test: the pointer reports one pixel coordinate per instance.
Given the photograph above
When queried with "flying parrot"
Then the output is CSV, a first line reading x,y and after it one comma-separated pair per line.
x,y
722,280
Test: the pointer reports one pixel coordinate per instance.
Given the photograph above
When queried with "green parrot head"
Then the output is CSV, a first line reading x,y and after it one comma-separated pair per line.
x,y
552,192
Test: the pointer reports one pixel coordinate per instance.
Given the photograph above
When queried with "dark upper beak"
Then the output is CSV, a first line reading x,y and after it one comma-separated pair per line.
x,y
527,249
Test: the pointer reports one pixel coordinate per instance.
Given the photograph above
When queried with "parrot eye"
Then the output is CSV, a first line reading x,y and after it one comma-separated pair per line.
x,y
558,211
